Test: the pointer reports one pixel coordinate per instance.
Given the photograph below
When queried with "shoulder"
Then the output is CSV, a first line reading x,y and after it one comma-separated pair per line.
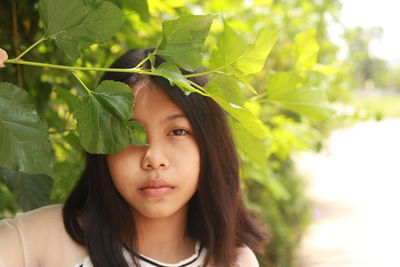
x,y
44,214
246,257
11,250
36,219
40,221
34,234
17,233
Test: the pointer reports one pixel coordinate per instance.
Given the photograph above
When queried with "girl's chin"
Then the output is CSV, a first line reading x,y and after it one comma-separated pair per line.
x,y
159,212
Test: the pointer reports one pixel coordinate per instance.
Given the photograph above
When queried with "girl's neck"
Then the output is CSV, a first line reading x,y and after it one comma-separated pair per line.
x,y
164,239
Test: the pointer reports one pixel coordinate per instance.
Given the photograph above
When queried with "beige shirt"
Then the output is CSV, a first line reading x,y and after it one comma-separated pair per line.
x,y
38,239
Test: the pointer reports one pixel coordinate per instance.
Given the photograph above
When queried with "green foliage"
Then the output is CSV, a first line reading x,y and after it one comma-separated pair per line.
x,y
183,40
306,48
75,24
215,88
139,6
31,191
253,59
285,89
275,95
103,119
24,140
172,73
231,47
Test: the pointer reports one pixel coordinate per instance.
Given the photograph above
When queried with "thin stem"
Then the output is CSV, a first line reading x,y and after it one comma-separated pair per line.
x,y
258,97
141,63
30,48
82,83
199,74
206,72
72,68
200,89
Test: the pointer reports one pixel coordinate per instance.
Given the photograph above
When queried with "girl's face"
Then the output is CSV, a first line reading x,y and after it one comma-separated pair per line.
x,y
159,179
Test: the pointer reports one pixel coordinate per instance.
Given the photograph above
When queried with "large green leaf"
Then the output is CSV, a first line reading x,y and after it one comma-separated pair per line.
x,y
284,88
77,24
249,121
227,88
31,191
24,143
306,50
231,46
183,40
249,147
254,59
103,119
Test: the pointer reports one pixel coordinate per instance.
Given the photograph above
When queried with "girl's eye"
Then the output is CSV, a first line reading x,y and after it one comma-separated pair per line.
x,y
178,132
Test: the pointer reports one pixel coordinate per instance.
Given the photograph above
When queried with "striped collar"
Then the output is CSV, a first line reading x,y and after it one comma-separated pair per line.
x,y
199,251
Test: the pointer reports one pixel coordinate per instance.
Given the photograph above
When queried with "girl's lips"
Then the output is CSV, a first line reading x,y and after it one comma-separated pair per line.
x,y
156,191
156,188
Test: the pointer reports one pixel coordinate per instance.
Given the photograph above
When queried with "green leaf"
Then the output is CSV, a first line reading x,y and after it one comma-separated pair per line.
x,y
226,88
75,24
244,81
249,121
252,148
139,6
103,119
183,40
254,59
152,59
139,135
230,47
306,50
171,72
24,143
283,89
31,191
93,3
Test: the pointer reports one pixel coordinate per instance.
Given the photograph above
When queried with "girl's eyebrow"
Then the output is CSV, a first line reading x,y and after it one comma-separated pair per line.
x,y
169,118
173,117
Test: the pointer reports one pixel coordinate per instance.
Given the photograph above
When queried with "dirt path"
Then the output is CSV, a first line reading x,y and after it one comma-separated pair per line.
x,y
355,187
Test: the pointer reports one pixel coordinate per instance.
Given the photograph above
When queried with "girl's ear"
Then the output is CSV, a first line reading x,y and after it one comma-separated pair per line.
x,y
246,257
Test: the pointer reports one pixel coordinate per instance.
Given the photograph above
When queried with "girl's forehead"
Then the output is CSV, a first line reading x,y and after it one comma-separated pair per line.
x,y
148,93
151,102
139,85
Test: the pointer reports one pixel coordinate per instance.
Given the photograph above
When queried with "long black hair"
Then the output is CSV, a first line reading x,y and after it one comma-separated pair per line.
x,y
97,217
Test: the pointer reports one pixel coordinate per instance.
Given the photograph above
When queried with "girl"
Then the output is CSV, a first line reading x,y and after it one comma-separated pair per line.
x,y
174,202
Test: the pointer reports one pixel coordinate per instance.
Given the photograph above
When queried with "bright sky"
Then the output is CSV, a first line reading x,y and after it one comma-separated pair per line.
x,y
369,13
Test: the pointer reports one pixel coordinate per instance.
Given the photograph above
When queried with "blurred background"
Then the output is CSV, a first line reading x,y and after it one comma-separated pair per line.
x,y
352,181
324,188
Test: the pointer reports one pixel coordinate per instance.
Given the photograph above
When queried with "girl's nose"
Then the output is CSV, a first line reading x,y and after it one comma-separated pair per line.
x,y
154,158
